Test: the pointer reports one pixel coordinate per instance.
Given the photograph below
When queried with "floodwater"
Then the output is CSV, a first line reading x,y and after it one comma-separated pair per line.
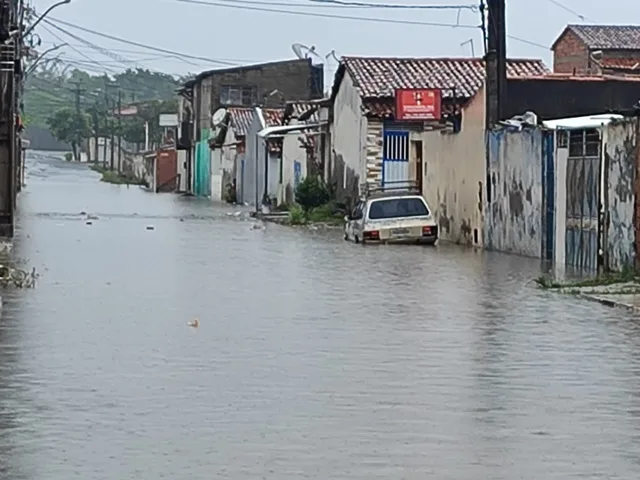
x,y
314,358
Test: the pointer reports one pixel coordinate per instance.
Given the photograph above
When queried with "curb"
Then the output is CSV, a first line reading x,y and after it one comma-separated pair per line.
x,y
607,302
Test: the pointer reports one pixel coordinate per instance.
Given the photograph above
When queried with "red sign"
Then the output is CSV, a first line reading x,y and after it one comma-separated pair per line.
x,y
418,104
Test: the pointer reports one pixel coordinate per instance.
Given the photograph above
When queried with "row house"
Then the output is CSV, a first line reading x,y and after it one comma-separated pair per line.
x,y
371,145
593,49
211,93
447,155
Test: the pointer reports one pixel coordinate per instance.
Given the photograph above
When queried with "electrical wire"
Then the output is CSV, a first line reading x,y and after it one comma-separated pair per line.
x,y
328,15
339,4
567,9
141,45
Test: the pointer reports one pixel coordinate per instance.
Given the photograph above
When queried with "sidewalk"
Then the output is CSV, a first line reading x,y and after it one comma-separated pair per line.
x,y
619,295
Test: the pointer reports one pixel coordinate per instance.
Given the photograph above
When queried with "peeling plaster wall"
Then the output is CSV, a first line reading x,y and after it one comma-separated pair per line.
x,y
454,174
513,217
348,140
620,160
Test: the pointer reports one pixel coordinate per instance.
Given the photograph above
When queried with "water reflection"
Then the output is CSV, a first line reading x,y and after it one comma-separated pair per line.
x,y
315,358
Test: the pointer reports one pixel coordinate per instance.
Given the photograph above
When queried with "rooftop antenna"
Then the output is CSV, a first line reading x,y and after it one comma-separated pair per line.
x,y
303,52
470,42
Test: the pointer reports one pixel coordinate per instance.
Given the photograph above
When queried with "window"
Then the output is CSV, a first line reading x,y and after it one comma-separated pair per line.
x,y
584,143
238,96
398,208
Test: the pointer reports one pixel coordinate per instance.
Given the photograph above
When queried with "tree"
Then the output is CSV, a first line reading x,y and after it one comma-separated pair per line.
x,y
70,126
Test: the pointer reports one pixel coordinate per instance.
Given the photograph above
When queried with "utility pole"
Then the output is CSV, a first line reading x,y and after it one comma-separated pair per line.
x,y
496,73
9,54
496,62
78,91
119,130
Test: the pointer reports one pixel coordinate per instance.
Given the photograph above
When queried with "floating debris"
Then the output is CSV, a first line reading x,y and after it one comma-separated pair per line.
x,y
194,323
16,277
89,222
150,227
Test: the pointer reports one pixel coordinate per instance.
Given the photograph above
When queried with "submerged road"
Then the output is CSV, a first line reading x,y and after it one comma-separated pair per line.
x,y
314,359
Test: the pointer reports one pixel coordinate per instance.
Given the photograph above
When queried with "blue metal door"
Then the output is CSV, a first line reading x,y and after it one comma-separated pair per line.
x,y
395,158
583,200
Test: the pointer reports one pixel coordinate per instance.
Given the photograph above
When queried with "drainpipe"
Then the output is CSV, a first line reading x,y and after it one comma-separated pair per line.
x,y
257,203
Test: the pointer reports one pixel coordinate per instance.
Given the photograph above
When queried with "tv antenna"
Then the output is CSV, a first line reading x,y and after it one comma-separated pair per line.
x,y
469,42
304,52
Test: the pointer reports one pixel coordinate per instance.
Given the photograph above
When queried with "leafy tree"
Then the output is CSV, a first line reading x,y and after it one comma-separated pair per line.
x,y
70,126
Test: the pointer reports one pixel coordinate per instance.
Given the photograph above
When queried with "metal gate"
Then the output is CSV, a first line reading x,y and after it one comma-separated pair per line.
x,y
395,157
583,200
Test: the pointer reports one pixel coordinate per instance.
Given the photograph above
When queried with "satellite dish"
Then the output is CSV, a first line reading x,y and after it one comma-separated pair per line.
x,y
303,52
218,117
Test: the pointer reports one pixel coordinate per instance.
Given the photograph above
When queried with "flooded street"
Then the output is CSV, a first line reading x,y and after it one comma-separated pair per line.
x,y
314,358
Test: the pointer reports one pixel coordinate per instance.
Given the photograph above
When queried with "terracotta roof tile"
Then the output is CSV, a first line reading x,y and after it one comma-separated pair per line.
x,y
379,77
241,119
608,37
273,116
621,63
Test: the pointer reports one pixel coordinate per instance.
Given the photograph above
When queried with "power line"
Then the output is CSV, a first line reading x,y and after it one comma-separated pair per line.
x,y
141,45
360,5
326,15
567,9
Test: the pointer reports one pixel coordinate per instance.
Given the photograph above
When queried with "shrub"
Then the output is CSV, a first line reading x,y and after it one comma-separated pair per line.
x,y
312,193
297,215
68,157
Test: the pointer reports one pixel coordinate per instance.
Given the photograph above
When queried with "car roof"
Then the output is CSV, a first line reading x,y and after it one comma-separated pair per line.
x,y
394,197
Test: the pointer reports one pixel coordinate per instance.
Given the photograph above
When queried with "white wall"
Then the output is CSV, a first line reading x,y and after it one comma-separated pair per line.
x,y
182,170
561,156
291,152
348,133
217,189
454,174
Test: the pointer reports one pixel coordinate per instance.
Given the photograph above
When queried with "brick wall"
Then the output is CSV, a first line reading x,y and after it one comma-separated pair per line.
x,y
291,78
570,55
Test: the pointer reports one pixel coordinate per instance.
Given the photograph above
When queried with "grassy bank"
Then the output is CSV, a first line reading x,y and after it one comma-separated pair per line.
x,y
327,215
116,178
627,276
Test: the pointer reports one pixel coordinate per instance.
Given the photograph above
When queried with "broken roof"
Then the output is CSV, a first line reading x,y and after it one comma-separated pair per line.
x,y
376,77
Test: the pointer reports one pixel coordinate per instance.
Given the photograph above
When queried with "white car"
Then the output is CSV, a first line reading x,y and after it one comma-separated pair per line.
x,y
392,219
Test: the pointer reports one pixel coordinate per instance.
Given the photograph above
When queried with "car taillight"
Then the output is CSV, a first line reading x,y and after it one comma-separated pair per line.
x,y
427,231
372,235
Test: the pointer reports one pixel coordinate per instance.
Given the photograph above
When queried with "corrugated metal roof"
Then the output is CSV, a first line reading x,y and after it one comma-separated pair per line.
x,y
607,37
380,77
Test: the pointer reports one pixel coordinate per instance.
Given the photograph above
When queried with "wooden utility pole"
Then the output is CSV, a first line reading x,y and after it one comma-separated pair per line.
x,y
496,62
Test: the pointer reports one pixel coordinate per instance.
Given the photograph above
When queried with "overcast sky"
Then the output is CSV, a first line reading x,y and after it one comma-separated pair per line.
x,y
233,32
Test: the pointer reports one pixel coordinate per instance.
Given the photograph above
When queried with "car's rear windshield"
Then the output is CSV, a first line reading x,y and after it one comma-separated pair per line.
x,y
398,208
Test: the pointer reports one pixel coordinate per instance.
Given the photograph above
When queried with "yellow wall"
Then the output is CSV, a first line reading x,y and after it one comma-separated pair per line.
x,y
454,169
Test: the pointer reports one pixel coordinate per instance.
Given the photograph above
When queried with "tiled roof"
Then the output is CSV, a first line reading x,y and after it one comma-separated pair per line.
x,y
583,78
297,108
240,120
621,63
379,77
273,116
607,37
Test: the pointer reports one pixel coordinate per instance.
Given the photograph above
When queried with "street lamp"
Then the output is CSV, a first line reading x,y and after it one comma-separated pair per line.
x,y
46,12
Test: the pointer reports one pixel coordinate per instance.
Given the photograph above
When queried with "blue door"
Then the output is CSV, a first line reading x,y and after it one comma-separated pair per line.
x,y
395,158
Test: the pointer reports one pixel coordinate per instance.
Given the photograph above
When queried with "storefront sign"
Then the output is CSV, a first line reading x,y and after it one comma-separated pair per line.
x,y
418,104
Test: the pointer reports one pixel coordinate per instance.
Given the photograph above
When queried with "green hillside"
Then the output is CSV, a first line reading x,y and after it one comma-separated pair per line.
x,y
49,90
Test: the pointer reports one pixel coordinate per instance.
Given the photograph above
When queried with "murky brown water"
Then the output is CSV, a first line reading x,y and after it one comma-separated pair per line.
x,y
314,359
